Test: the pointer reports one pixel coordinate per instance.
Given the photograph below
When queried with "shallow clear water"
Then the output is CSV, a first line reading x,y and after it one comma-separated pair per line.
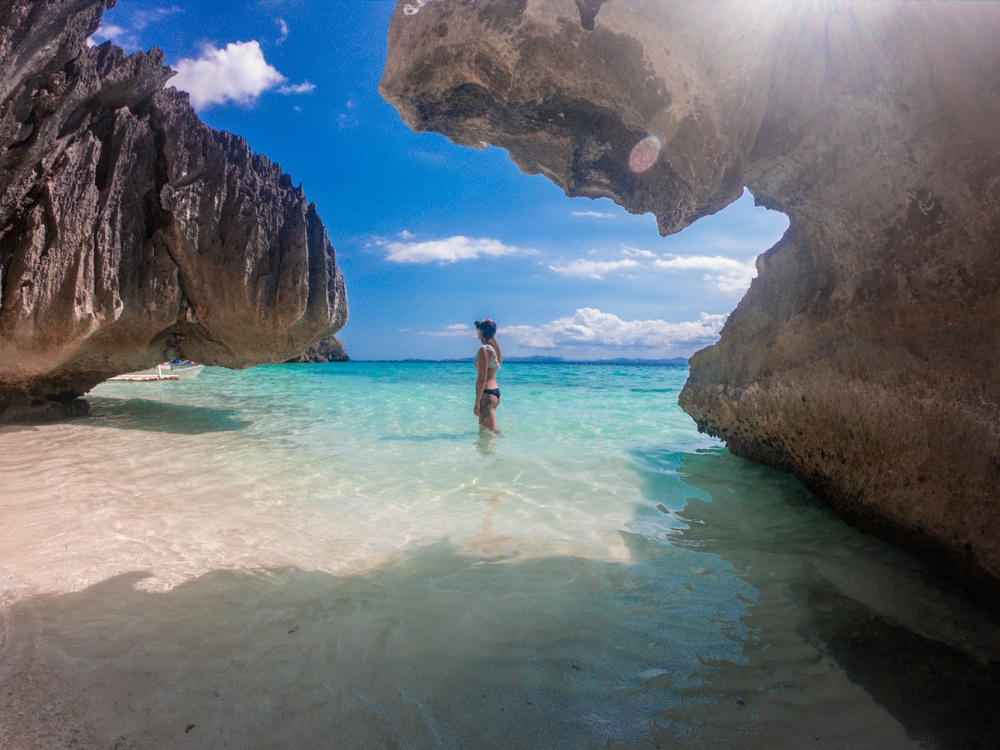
x,y
331,556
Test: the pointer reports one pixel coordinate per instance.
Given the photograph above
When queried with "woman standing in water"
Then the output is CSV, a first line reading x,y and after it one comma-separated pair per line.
x,y
488,360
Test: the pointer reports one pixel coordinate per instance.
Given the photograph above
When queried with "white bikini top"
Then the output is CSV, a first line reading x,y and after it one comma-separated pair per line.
x,y
494,363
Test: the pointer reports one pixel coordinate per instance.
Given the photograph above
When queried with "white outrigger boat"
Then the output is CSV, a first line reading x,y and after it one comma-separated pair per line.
x,y
176,369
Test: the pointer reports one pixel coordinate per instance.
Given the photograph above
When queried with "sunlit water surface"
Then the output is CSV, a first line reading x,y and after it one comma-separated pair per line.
x,y
312,556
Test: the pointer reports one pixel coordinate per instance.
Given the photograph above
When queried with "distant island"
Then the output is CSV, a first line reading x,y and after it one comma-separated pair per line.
x,y
542,360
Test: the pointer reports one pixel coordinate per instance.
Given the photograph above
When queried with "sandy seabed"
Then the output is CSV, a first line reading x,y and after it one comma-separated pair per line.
x,y
198,572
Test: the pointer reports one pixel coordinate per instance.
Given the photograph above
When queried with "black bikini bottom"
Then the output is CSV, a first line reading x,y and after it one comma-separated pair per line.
x,y
492,392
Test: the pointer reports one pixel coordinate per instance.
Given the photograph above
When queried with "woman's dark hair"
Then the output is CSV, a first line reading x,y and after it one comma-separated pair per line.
x,y
488,327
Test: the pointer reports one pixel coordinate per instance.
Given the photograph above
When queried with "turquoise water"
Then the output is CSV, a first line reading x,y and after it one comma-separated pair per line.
x,y
331,556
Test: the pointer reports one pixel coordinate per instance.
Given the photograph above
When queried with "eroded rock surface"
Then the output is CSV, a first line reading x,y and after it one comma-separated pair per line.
x,y
865,357
328,350
130,232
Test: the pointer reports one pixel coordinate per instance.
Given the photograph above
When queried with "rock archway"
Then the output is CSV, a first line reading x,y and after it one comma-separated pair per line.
x,y
864,358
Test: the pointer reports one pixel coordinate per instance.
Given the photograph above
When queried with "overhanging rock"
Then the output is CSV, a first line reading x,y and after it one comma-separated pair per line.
x,y
865,357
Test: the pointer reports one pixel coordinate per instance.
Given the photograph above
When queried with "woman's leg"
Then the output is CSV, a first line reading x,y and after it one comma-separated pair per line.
x,y
488,413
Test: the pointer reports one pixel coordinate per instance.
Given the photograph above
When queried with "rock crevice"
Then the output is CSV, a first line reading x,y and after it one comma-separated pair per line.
x,y
864,357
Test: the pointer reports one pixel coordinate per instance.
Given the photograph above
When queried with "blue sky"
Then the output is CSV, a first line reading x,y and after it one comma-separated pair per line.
x,y
431,236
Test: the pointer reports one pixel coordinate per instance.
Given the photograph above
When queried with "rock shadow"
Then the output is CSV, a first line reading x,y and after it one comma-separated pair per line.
x,y
938,692
159,416
833,599
759,621
434,650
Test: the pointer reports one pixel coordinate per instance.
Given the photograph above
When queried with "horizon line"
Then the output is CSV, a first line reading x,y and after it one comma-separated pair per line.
x,y
542,360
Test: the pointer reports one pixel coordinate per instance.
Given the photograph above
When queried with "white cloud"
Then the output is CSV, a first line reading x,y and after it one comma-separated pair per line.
x,y
299,88
143,18
406,234
109,33
728,274
593,215
448,250
349,117
590,328
282,30
594,269
237,73
635,252
127,36
454,330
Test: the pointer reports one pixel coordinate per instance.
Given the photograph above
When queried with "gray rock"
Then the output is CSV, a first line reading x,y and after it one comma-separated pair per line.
x,y
328,350
864,359
130,232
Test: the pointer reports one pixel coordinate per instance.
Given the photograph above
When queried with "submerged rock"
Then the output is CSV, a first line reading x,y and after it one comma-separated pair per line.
x,y
864,359
130,232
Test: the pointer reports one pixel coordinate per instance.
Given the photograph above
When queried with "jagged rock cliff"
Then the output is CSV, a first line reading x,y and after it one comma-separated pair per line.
x,y
865,357
130,232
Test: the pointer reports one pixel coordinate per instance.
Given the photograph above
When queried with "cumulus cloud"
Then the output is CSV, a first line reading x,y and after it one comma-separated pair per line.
x,y
593,215
238,73
590,328
448,250
728,274
593,269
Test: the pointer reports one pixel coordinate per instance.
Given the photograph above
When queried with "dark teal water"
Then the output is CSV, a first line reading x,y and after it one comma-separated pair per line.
x,y
332,556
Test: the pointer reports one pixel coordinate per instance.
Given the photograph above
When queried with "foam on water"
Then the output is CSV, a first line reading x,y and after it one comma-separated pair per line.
x,y
293,553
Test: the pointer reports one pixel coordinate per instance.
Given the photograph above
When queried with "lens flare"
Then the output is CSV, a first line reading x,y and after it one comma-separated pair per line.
x,y
645,153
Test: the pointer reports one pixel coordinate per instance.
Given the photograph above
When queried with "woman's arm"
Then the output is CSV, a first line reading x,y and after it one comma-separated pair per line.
x,y
482,363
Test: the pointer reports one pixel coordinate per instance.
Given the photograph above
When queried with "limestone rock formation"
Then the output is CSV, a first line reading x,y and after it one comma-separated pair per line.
x,y
865,357
130,232
328,350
